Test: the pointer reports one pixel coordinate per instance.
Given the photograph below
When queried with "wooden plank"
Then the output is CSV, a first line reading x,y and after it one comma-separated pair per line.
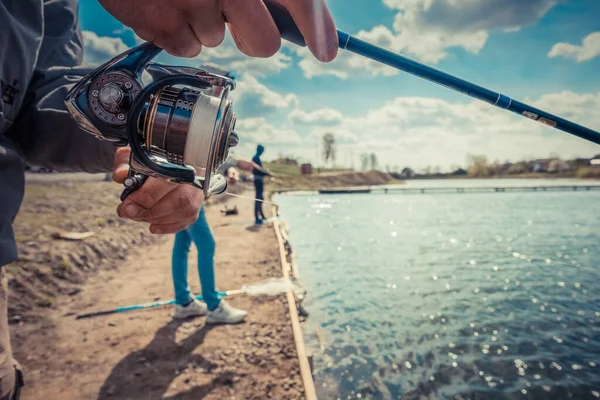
x,y
305,370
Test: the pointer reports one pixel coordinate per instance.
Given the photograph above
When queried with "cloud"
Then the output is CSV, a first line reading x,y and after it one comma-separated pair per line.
x,y
420,131
325,116
258,130
428,29
99,49
255,99
590,48
227,56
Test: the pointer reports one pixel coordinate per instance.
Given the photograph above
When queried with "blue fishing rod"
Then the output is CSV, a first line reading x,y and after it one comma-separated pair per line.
x,y
289,31
146,305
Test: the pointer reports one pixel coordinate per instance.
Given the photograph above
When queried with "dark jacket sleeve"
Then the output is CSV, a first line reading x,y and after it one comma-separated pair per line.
x,y
43,128
46,133
258,172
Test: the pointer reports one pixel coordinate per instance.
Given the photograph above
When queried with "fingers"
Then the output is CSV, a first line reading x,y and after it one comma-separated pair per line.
x,y
168,207
182,203
171,228
176,211
317,27
121,164
254,31
180,43
144,198
208,23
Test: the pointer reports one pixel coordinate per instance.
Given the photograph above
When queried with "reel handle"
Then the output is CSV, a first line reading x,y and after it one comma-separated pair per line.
x,y
133,183
285,23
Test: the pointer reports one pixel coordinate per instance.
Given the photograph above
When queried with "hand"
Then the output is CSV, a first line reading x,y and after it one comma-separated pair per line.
x,y
182,27
168,207
233,176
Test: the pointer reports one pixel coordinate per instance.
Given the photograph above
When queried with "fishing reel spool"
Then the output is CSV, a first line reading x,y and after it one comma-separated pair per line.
x,y
180,127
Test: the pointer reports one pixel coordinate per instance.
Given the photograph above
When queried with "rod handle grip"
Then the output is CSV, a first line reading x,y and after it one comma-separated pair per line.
x,y
285,23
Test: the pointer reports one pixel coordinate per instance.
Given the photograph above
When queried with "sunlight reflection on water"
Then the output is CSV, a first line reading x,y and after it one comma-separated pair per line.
x,y
451,296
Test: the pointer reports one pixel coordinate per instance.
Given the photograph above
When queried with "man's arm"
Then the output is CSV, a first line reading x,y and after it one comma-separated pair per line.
x,y
252,167
260,171
47,134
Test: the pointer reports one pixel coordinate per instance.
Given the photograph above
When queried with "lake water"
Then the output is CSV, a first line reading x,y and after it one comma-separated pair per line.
x,y
472,296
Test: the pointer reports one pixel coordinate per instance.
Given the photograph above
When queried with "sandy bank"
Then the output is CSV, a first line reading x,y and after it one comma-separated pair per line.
x,y
140,355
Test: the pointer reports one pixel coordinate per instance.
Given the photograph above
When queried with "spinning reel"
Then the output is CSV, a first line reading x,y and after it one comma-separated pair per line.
x,y
180,126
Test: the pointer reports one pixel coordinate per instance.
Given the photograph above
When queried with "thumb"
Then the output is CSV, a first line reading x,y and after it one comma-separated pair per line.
x,y
121,166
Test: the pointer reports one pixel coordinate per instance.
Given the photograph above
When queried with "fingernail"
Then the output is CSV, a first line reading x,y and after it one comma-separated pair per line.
x,y
132,211
156,231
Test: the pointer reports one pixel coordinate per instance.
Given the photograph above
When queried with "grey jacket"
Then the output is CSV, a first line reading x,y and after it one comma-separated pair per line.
x,y
41,50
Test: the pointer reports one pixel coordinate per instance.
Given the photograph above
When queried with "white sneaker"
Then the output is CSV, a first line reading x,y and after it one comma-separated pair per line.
x,y
196,308
225,314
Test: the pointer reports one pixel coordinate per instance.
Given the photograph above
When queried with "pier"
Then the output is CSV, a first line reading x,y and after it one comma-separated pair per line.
x,y
463,189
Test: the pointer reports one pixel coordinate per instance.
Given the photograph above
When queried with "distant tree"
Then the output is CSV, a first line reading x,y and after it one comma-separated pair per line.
x,y
427,170
364,161
437,169
479,166
329,148
407,172
387,168
373,159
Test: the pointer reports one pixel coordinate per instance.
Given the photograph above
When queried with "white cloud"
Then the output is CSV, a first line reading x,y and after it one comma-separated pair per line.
x,y
255,99
428,29
227,56
325,116
258,130
420,131
99,49
589,48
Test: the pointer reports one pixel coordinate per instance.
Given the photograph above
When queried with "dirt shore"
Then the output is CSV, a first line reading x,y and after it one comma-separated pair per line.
x,y
144,354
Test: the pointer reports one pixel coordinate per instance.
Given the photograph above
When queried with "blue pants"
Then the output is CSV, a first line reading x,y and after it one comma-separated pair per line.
x,y
200,234
259,187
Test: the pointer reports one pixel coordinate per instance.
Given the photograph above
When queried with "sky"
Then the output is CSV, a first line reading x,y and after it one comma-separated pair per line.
x,y
543,52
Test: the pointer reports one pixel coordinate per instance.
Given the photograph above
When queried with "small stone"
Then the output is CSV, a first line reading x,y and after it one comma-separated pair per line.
x,y
15,318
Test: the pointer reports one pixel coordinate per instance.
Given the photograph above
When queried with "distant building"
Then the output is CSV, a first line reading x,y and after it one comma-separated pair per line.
x,y
541,165
460,172
306,169
595,161
579,162
519,168
558,165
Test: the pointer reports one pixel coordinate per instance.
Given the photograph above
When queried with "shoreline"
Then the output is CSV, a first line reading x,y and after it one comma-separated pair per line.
x,y
145,354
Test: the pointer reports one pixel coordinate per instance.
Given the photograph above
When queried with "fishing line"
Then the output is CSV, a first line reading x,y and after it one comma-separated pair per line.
x,y
253,199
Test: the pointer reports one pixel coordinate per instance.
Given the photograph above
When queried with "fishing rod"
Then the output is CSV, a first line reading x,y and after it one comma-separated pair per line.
x,y
148,305
269,287
290,32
